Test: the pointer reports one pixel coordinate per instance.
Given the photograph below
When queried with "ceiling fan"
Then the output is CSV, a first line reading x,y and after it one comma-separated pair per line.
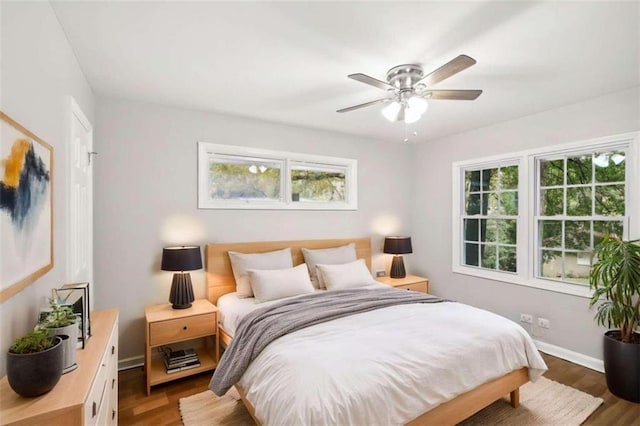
x,y
408,89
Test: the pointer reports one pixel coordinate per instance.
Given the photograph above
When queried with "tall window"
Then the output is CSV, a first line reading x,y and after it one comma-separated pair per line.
x,y
535,217
235,177
581,198
490,218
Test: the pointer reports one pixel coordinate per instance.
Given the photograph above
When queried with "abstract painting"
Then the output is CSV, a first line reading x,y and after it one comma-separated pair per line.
x,y
26,207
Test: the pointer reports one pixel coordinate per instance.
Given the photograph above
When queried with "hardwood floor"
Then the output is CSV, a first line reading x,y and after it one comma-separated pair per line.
x,y
161,408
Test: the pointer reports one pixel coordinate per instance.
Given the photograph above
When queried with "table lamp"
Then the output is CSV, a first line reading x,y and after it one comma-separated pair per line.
x,y
183,259
397,246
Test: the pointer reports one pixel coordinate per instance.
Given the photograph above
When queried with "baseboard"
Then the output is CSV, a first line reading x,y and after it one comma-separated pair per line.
x,y
557,351
129,363
569,355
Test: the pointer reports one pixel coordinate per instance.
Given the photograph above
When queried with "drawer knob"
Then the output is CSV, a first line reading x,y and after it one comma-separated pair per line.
x,y
94,409
184,328
113,383
113,350
113,414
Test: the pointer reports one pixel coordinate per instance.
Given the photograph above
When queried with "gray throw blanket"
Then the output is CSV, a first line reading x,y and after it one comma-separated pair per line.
x,y
263,326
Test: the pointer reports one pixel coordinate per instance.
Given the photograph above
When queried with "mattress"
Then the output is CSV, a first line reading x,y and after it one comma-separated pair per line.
x,y
385,366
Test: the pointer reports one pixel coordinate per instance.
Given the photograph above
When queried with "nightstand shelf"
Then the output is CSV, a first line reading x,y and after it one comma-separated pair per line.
x,y
159,375
166,326
410,282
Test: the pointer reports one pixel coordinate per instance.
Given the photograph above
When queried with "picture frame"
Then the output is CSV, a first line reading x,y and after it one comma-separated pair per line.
x,y
26,207
77,297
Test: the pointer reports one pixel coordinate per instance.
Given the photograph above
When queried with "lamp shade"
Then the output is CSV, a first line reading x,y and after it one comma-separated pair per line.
x,y
397,245
183,258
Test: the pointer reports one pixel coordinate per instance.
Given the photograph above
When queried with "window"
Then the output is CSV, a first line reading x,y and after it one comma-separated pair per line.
x,y
581,198
490,218
233,177
534,218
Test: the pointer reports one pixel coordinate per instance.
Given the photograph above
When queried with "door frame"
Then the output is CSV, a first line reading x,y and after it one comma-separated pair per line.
x,y
75,110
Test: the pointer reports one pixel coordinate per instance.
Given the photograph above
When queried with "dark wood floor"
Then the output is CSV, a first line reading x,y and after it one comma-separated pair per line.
x,y
161,408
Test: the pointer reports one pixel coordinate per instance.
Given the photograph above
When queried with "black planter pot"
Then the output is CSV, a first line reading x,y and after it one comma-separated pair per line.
x,y
622,367
36,373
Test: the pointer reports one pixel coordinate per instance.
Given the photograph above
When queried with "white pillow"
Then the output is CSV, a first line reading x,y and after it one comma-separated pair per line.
x,y
279,283
348,275
241,262
329,256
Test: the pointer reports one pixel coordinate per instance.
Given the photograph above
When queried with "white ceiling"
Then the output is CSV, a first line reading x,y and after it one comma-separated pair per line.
x,y
288,62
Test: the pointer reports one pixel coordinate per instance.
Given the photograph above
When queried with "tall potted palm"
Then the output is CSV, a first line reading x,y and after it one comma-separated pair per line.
x,y
615,276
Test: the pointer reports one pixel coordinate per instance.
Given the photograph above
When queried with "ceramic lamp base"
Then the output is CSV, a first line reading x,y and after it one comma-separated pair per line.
x,y
181,294
397,268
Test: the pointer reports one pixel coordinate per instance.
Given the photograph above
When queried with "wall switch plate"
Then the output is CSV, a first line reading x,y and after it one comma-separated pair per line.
x,y
380,274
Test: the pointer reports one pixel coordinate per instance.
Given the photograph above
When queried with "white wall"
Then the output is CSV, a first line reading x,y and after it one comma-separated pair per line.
x,y
146,198
572,322
38,72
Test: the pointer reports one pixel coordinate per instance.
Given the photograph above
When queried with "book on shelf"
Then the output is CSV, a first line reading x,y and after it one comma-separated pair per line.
x,y
180,355
181,363
183,366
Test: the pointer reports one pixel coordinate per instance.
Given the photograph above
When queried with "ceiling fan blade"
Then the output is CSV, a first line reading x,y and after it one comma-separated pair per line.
x,y
363,78
449,69
377,101
456,95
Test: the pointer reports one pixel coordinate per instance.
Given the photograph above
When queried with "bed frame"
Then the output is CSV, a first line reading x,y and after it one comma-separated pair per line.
x,y
220,281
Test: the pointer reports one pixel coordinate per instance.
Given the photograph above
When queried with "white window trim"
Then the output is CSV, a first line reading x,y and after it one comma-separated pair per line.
x,y
526,243
289,159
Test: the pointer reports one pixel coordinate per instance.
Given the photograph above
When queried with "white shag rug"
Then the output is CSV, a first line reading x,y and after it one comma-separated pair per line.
x,y
544,402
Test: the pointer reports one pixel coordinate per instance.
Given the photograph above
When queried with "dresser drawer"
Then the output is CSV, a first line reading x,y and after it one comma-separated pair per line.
x,y
168,331
421,287
96,409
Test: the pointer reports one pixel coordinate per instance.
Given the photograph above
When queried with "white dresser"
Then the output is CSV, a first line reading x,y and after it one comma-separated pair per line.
x,y
86,396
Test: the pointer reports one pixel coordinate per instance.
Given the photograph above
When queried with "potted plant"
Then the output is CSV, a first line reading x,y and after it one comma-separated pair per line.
x,y
60,320
34,363
615,276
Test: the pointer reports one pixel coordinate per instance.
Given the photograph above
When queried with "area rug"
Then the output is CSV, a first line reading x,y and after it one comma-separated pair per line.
x,y
544,402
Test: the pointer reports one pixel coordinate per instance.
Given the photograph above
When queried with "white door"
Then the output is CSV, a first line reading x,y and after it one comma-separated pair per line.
x,y
80,225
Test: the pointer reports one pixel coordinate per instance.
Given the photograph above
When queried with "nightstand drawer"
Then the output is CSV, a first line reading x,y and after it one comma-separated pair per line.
x,y
421,287
163,332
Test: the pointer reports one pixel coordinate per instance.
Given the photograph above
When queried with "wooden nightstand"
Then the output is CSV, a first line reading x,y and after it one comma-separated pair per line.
x,y
165,325
410,282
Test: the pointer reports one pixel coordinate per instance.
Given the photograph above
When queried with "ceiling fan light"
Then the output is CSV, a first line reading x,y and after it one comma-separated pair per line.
x,y
390,112
411,116
601,160
418,104
617,158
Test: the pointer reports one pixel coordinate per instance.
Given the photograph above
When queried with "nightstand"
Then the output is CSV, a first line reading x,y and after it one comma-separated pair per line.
x,y
410,282
165,326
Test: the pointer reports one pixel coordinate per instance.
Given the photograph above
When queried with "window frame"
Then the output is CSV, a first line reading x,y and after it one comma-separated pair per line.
x,y
464,216
289,160
526,246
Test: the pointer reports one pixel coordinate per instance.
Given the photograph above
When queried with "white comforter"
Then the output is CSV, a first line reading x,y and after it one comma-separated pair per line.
x,y
386,366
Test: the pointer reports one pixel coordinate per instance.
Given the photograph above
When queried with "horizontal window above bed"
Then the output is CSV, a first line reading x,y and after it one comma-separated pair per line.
x,y
235,177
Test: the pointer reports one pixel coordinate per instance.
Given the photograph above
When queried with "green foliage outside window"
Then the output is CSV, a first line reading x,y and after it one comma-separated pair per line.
x,y
314,185
491,195
250,181
587,194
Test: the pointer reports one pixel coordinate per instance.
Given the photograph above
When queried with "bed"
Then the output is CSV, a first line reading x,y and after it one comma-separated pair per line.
x,y
402,395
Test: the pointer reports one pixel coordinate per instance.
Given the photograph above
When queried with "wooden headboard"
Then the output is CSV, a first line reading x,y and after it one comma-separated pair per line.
x,y
220,278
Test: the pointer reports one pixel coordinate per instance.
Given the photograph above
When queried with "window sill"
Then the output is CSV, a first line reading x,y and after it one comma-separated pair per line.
x,y
554,286
245,205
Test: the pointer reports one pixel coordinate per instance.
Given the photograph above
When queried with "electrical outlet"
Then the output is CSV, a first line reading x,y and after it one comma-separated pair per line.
x,y
526,318
380,273
544,323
